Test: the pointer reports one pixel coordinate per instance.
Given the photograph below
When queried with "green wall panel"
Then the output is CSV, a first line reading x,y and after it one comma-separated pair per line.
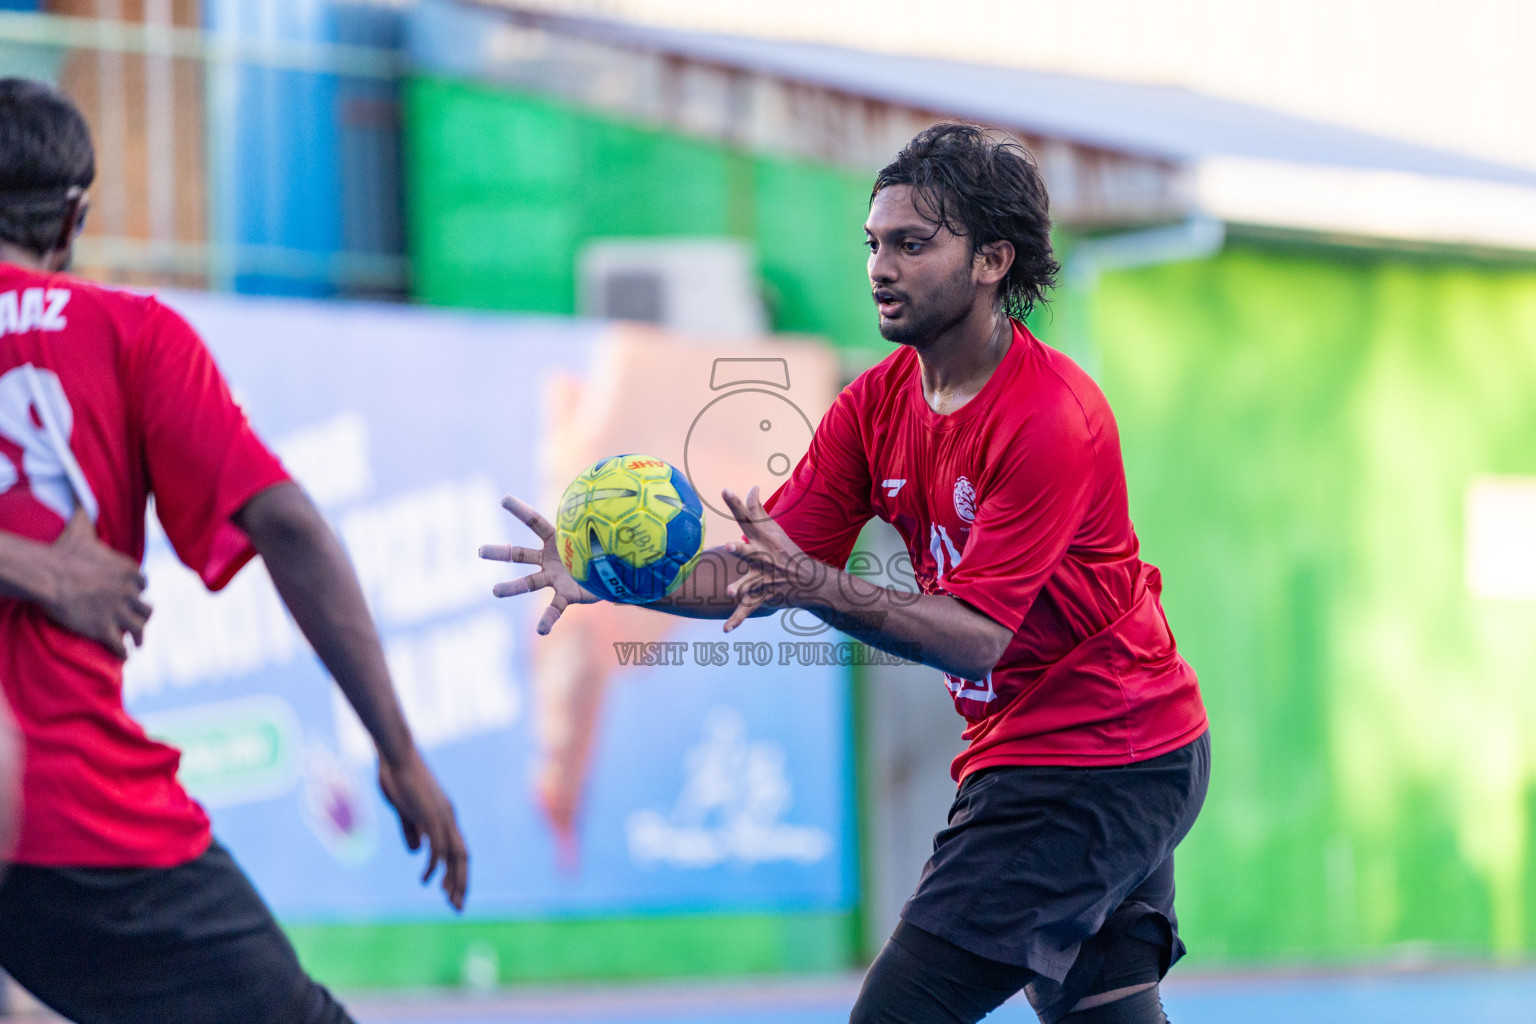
x,y
505,188
809,231
1300,428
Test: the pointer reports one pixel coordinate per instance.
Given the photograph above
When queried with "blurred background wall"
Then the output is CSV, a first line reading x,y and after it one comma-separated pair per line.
x,y
1320,342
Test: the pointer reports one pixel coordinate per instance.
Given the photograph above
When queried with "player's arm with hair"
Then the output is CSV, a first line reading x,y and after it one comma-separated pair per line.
x,y
315,578
942,632
1035,496
937,630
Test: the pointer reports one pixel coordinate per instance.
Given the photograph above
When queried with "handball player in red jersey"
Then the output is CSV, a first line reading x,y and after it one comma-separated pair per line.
x,y
119,906
997,460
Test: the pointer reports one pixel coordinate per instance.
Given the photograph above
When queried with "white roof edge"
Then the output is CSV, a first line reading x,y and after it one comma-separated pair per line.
x,y
1378,204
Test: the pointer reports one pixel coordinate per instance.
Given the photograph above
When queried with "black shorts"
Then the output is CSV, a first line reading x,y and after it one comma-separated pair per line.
x,y
192,944
1045,867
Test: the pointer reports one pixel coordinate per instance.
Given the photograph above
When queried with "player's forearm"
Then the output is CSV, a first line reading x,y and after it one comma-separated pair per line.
x,y
939,631
26,569
315,579
703,594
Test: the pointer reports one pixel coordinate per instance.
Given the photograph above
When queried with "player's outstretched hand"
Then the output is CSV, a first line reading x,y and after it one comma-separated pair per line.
x,y
96,591
425,812
552,572
778,572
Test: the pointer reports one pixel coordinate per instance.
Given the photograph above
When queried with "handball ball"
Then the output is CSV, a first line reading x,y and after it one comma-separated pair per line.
x,y
630,528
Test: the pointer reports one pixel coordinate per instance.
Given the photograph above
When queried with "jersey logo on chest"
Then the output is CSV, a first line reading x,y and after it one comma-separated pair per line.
x,y
965,499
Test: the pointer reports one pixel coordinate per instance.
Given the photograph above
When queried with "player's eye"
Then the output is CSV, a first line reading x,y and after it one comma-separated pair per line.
x,y
911,246
871,244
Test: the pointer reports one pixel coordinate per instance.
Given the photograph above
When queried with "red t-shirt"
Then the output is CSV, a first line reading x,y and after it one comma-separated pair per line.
x,y
107,397
1015,503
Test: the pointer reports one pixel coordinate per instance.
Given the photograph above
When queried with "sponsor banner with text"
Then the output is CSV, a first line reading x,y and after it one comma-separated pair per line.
x,y
586,781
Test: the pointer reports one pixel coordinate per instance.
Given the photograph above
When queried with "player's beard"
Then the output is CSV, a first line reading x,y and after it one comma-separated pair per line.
x,y
942,309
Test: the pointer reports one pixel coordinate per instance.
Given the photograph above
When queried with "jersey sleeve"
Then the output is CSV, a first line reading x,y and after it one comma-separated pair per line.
x,y
203,459
825,502
1031,505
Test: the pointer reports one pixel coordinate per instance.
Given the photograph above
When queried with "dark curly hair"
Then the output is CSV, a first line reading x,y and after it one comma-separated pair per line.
x,y
985,186
46,159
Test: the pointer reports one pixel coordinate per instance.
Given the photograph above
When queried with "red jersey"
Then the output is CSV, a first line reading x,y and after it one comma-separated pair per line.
x,y
107,397
1015,503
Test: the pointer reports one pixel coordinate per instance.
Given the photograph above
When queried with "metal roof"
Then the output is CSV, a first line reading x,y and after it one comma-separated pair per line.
x,y
1148,120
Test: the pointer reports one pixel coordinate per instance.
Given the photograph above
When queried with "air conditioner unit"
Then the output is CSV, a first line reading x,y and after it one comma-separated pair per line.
x,y
704,286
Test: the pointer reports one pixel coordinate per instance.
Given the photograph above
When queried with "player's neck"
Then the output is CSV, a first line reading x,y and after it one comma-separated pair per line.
x,y
958,363
21,257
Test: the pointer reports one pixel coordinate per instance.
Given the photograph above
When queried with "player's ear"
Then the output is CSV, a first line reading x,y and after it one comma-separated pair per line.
x,y
993,261
71,228
77,224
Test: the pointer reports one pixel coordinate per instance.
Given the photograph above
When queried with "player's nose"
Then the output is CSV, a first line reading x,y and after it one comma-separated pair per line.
x,y
882,268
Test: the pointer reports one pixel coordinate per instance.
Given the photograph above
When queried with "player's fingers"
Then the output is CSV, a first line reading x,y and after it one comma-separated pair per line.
x,y
455,865
130,621
740,513
743,587
496,552
529,516
752,555
521,585
744,609
762,519
551,615
512,553
78,523
434,857
408,830
742,613
140,608
113,641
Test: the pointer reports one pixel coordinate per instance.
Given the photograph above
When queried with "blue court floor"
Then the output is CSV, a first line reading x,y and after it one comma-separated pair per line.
x,y
1476,996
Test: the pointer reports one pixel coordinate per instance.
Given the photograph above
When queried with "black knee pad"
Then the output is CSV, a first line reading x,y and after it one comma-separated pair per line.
x,y
1144,1007
1135,947
1129,960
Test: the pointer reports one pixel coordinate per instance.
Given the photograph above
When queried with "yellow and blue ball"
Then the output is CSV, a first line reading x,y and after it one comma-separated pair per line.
x,y
630,528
